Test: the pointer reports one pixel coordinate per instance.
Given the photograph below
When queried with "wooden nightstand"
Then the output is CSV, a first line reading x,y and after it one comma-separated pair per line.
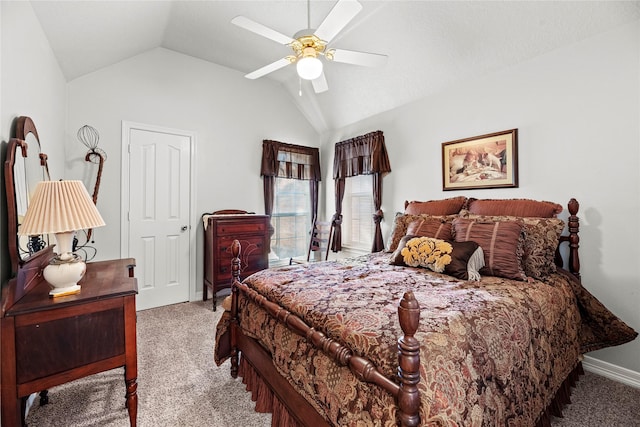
x,y
220,231
50,341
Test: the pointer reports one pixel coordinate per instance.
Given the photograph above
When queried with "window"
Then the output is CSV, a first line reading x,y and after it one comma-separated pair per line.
x,y
291,219
357,223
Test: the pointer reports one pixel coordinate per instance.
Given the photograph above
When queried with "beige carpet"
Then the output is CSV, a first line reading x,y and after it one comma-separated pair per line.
x,y
179,385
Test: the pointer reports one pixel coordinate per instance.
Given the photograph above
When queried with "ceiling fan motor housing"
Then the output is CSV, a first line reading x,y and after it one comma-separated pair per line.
x,y
306,44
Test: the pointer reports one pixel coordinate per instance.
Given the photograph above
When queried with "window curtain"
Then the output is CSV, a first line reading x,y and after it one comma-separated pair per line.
x,y
281,160
362,155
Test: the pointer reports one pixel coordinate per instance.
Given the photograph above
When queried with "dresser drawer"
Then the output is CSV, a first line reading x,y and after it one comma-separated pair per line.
x,y
253,256
249,246
224,228
249,266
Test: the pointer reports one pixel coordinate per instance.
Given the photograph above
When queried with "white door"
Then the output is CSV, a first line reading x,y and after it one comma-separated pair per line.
x,y
159,193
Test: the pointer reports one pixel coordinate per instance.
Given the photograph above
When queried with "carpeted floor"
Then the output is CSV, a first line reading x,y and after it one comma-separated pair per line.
x,y
179,385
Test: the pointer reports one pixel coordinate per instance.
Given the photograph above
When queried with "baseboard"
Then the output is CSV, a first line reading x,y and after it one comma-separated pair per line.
x,y
30,401
611,371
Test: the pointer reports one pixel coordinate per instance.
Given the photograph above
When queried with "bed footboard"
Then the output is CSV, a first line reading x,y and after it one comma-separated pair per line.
x,y
405,391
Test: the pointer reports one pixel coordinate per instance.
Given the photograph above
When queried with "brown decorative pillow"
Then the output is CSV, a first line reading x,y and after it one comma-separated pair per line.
x,y
466,258
437,228
514,207
435,207
402,221
502,243
542,236
398,229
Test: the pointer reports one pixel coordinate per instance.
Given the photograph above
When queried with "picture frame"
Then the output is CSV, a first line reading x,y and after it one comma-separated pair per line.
x,y
484,161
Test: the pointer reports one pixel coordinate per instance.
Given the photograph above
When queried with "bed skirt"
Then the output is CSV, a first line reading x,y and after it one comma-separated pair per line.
x,y
268,402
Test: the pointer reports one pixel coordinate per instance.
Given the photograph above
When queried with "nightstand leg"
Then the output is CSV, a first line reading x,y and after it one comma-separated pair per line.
x,y
44,397
132,400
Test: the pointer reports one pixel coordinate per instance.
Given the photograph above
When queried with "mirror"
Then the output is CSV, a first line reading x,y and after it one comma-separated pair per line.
x,y
24,167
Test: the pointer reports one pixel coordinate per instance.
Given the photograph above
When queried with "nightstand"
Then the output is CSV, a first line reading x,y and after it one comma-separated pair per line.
x,y
50,341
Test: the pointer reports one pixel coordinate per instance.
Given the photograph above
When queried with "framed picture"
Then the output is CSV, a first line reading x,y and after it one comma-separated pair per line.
x,y
485,161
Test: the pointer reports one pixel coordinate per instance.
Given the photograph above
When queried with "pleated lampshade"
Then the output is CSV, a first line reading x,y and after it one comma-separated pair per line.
x,y
60,207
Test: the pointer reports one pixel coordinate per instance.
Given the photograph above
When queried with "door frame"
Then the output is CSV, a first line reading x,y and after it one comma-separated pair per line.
x,y
127,127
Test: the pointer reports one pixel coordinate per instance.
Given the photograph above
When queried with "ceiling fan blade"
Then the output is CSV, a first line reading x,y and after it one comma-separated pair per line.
x,y
358,58
343,12
320,84
260,29
280,63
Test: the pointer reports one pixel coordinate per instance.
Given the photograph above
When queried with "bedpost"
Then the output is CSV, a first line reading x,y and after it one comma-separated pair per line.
x,y
235,279
409,361
574,239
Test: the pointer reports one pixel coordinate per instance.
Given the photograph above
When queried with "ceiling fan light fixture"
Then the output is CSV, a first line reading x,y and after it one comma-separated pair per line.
x,y
309,68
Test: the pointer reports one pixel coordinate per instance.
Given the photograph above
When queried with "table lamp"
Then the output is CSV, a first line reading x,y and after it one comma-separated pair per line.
x,y
61,208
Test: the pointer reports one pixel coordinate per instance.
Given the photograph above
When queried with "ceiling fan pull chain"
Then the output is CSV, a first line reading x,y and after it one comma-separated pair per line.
x,y
299,86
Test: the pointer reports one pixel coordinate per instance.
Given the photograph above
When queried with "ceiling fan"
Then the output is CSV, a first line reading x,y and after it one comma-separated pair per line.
x,y
309,44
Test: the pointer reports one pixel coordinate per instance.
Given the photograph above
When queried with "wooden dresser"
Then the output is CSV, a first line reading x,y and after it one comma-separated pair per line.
x,y
50,341
220,231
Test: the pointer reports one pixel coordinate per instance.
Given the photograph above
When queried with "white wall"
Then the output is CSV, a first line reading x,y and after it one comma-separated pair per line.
x,y
577,110
32,85
229,114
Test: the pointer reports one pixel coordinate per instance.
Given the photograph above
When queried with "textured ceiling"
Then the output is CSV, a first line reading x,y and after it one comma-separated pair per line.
x,y
431,44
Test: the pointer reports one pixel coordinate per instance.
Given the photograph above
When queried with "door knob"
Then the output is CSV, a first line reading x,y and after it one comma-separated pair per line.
x,y
184,228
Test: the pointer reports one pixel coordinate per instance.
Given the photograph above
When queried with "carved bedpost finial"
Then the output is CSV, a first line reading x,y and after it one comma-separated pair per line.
x,y
235,263
235,279
574,239
409,361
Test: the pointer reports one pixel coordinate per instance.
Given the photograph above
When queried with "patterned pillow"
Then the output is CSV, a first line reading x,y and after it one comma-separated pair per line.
x,y
542,236
435,207
437,228
465,258
502,244
514,207
402,221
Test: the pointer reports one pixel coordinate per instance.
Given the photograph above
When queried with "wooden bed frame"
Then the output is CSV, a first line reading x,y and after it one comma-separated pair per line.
x,y
405,391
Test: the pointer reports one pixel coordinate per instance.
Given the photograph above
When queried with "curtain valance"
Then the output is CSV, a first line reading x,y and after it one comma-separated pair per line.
x,y
283,160
362,155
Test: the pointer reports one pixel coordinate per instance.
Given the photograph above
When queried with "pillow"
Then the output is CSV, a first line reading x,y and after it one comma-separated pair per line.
x,y
514,207
435,207
542,236
437,228
466,258
402,221
502,243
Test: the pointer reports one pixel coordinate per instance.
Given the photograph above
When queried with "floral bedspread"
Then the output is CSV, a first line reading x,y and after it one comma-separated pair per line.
x,y
492,352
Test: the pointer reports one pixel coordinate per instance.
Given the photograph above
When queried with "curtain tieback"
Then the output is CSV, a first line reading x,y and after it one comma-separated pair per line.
x,y
337,219
377,216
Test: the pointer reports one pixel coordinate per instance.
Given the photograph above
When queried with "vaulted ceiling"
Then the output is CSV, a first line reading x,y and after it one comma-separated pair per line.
x,y
431,45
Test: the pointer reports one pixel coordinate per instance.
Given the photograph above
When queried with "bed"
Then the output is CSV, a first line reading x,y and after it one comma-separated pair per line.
x,y
468,319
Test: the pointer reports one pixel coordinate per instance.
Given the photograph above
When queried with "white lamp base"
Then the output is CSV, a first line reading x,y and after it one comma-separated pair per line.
x,y
64,276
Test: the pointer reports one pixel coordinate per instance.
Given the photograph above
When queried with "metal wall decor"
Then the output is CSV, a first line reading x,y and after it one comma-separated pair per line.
x,y
90,137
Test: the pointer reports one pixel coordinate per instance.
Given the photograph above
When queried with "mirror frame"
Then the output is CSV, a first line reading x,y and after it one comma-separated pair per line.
x,y
24,127
15,146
